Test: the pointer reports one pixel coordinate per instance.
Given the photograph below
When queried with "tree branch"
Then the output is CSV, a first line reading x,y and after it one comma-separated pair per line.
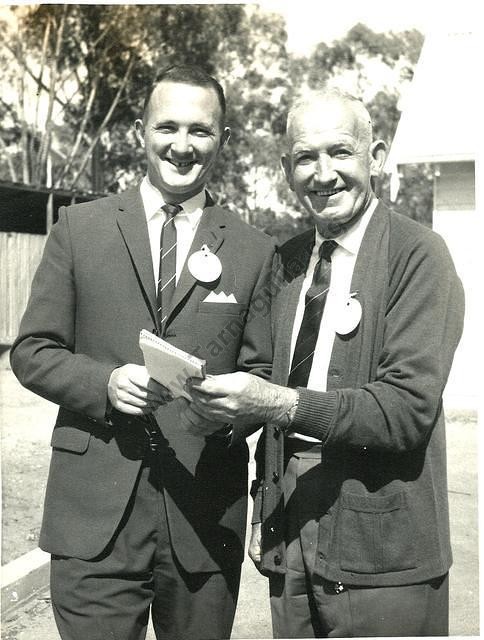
x,y
24,147
104,123
11,168
81,131
21,60
47,137
45,43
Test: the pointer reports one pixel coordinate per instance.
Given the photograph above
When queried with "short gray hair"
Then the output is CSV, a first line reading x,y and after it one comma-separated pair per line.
x,y
332,94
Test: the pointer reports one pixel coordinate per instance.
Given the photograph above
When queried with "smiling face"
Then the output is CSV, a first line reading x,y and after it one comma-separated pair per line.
x,y
182,133
331,160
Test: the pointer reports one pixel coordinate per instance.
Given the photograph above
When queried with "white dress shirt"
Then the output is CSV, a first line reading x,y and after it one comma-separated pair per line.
x,y
343,262
186,223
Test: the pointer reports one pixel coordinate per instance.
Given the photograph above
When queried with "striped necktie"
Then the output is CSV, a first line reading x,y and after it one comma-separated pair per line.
x,y
167,271
315,300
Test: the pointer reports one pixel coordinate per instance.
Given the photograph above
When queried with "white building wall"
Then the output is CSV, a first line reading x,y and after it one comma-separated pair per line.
x,y
460,231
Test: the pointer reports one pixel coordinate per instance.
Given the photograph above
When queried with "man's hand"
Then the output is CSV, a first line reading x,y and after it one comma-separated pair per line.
x,y
255,553
240,398
132,391
194,423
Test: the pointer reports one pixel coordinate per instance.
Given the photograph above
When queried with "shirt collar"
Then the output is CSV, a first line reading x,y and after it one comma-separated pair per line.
x,y
153,200
351,240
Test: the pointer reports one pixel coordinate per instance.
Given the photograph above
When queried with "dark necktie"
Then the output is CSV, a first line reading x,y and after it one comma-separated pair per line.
x,y
313,312
167,272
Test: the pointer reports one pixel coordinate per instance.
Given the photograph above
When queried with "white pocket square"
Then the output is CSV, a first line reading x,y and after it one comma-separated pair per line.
x,y
220,297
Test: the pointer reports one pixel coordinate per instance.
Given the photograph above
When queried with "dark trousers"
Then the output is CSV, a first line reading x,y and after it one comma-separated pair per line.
x,y
110,597
305,605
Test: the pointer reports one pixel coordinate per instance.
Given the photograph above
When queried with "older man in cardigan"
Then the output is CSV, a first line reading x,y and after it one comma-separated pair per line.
x,y
351,514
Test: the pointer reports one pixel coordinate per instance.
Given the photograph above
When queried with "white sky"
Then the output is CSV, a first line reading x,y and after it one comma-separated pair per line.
x,y
310,22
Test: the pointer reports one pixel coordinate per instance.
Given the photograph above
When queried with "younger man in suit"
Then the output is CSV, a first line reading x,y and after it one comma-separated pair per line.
x,y
139,514
351,517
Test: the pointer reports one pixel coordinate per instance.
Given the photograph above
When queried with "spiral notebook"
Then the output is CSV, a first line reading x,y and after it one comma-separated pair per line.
x,y
169,365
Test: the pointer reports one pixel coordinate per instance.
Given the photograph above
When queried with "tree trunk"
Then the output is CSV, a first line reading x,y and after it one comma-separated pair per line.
x,y
103,124
8,159
97,175
46,141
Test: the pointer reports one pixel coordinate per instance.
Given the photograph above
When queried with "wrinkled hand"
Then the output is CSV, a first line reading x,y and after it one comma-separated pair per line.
x,y
238,398
194,423
255,553
132,391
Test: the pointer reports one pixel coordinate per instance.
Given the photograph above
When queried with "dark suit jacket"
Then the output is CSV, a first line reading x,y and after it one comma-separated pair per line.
x,y
93,292
384,514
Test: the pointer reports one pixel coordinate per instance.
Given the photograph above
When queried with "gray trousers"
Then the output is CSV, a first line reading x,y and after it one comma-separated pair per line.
x,y
111,597
305,605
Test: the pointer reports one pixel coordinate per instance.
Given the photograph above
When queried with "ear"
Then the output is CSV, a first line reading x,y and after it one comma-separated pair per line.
x,y
139,129
287,168
225,137
378,155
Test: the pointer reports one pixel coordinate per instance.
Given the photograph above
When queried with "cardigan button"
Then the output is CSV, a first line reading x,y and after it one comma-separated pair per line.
x,y
339,587
277,433
275,477
277,560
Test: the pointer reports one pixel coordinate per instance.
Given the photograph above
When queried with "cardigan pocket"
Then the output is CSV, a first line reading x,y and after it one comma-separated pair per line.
x,y
374,534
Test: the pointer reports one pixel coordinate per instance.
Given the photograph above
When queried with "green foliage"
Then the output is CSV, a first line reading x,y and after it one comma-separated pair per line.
x,y
106,55
415,196
384,115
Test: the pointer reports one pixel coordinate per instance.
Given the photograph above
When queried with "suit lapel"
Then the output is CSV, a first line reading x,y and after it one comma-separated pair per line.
x,y
132,224
210,232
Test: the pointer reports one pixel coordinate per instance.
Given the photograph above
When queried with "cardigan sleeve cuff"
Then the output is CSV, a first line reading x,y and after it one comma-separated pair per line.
x,y
315,413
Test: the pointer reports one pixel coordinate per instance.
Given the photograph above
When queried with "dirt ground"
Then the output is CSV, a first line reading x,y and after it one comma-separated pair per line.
x,y
26,425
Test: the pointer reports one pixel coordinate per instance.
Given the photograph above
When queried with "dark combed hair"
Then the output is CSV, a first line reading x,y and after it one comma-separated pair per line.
x,y
187,74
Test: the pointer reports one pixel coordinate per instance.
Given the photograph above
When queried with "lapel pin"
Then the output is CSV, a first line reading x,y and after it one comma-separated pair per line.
x,y
348,316
204,265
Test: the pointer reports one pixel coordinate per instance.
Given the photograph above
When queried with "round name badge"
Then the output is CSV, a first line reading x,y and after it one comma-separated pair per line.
x,y
348,317
204,265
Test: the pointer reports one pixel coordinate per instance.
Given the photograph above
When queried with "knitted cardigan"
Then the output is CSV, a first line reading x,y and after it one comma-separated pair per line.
x,y
383,472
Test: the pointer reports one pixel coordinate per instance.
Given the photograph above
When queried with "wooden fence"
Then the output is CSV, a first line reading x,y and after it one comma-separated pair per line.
x,y
20,255
26,215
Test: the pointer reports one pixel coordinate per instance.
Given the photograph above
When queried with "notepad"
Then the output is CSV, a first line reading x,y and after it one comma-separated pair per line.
x,y
169,365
